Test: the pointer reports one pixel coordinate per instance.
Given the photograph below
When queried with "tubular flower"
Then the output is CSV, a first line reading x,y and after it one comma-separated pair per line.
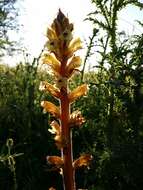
x,y
74,45
56,130
51,34
53,47
73,65
61,82
56,161
51,60
76,119
51,108
83,160
45,86
78,92
66,36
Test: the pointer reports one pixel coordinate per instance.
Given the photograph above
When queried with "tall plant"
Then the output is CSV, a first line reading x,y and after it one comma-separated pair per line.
x,y
63,63
105,17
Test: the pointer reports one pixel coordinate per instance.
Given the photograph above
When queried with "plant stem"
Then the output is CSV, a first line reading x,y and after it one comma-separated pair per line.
x,y
14,180
88,52
66,151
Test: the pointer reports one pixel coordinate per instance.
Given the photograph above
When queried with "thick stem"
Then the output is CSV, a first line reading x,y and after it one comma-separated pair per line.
x,y
67,155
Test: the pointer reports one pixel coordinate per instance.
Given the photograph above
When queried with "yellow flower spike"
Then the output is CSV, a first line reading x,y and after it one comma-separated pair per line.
x,y
51,108
51,60
73,65
63,63
75,45
56,161
45,86
83,160
76,119
78,92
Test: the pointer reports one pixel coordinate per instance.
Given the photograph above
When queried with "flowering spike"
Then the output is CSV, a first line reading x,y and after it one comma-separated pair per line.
x,y
51,108
63,63
45,86
76,93
83,160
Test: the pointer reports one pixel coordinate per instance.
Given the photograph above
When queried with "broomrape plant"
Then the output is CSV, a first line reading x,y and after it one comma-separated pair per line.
x,y
63,62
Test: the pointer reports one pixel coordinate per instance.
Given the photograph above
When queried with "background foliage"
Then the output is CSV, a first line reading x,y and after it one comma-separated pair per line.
x,y
8,22
113,109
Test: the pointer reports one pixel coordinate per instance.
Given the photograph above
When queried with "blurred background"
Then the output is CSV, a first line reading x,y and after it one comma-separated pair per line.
x,y
112,35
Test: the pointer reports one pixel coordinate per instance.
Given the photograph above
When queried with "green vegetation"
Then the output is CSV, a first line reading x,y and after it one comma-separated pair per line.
x,y
8,14
113,109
